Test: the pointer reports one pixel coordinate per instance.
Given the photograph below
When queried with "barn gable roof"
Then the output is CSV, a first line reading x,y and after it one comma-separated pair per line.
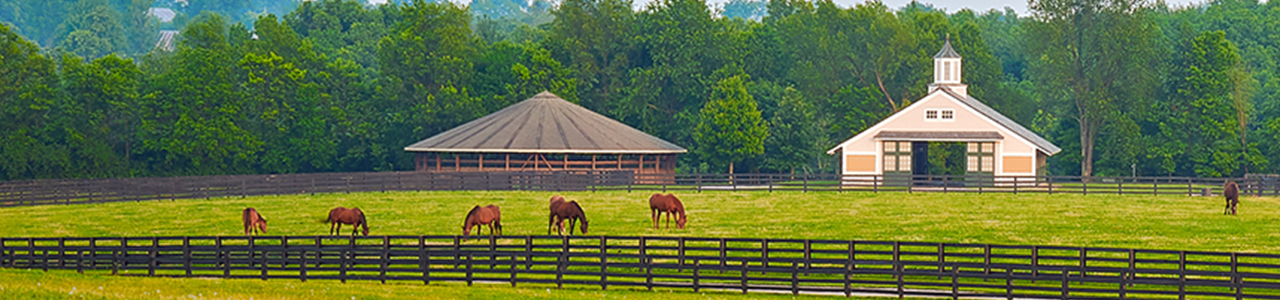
x,y
982,109
995,116
545,123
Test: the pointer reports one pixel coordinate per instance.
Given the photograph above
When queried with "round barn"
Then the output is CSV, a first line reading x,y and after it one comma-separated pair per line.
x,y
545,133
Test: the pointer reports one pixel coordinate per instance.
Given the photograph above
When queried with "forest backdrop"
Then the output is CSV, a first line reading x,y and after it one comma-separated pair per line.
x,y
1123,86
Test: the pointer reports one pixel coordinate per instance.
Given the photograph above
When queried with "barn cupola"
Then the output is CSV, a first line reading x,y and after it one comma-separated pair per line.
x,y
947,70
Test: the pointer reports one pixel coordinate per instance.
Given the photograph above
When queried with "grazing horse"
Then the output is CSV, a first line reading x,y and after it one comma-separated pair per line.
x,y
480,216
659,203
1232,192
253,222
343,215
562,210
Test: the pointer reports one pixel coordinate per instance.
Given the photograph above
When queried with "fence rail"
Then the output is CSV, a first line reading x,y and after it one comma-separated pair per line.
x,y
68,191
882,268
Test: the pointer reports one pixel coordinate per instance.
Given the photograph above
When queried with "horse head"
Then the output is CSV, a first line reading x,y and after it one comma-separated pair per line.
x,y
584,225
262,224
680,222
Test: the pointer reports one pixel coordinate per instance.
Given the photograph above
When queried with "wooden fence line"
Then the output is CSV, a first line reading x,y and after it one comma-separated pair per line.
x,y
68,191
835,267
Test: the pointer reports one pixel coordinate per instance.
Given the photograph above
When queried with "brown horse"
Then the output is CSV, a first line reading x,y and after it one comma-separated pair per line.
x,y
480,216
659,203
253,222
343,215
562,210
1232,192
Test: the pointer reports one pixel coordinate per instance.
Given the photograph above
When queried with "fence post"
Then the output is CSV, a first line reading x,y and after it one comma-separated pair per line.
x,y
528,251
1182,275
1049,181
342,262
1008,283
1133,273
648,268
680,251
697,268
424,260
1015,185
723,255
1084,255
604,263
955,282
265,264
1124,279
186,255
764,256
744,276
470,263
1120,186
151,265
1084,184
62,252
1035,263
986,260
226,257
302,265
942,269
1239,280
386,248
1066,289
897,267
807,254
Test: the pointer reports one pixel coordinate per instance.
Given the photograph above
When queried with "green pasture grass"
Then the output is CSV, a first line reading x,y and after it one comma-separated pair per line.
x,y
1129,221
1095,220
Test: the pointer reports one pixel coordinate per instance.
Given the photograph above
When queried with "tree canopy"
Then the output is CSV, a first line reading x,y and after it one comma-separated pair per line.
x,y
767,86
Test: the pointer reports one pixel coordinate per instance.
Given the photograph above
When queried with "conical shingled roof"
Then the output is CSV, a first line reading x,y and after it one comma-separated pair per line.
x,y
946,51
545,123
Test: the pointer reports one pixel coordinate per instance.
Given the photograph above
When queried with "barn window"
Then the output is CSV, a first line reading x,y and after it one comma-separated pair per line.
x,y
948,114
931,114
981,157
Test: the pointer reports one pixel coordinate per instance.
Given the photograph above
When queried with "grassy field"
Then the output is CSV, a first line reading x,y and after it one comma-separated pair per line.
x,y
1131,221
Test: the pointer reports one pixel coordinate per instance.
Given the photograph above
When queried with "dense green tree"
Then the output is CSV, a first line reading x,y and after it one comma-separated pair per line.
x,y
428,62
794,140
92,29
98,117
194,118
595,39
1095,67
28,87
730,127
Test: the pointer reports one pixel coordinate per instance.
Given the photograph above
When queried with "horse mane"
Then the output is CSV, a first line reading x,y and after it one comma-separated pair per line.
x,y
473,212
575,205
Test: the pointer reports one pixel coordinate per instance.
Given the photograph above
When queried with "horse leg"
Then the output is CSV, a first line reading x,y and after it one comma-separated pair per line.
x,y
550,221
656,215
668,220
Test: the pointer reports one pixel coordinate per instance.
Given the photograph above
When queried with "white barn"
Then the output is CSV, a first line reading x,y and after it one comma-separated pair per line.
x,y
996,145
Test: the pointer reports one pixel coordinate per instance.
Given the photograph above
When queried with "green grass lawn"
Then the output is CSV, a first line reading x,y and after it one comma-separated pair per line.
x,y
1130,221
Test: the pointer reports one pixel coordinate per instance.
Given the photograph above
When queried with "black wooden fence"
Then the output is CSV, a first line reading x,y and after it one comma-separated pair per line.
x,y
67,191
681,263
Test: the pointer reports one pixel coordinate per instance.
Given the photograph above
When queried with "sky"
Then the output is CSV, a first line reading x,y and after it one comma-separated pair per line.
x,y
950,6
